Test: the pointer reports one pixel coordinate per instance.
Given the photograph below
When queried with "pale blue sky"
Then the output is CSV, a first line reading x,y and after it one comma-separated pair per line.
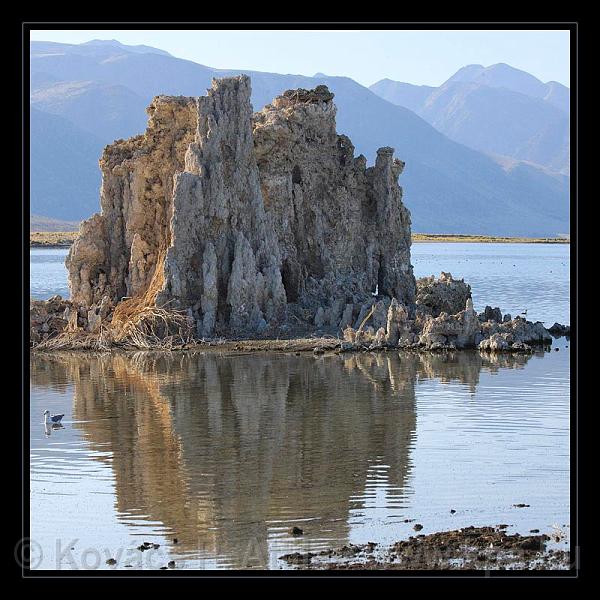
x,y
414,56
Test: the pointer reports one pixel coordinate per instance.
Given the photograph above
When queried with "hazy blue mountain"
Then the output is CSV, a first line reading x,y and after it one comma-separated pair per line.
x,y
39,223
94,48
448,187
498,110
558,95
500,121
502,75
105,110
64,175
404,94
140,48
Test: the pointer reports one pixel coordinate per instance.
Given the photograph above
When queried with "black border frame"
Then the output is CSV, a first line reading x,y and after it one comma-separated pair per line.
x,y
22,168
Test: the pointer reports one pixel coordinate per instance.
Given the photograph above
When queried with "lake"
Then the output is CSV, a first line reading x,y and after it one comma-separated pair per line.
x,y
225,453
514,277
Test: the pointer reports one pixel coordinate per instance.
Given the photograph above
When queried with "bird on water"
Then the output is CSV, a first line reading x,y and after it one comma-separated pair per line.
x,y
48,418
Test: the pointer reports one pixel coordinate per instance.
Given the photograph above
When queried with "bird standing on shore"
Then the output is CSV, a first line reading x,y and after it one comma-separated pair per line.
x,y
48,418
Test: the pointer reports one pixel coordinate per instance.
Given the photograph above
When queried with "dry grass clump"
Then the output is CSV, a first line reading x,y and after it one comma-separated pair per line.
x,y
137,323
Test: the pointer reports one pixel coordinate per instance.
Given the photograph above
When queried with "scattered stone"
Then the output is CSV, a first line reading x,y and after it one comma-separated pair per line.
x,y
470,548
171,564
296,531
417,527
145,546
297,558
111,561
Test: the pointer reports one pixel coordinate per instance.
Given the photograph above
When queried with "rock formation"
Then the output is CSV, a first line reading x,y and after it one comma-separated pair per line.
x,y
251,224
444,294
220,222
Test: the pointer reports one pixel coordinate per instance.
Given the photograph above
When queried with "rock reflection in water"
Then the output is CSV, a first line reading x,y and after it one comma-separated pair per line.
x,y
230,451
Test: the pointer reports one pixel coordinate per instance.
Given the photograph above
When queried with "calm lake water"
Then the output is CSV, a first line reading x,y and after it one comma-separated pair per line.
x,y
514,277
227,453
47,273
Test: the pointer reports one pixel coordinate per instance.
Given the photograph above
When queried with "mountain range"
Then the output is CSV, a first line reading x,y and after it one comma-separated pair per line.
x,y
84,96
499,110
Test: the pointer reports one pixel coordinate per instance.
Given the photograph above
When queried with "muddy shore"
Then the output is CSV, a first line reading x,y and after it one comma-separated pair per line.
x,y
470,548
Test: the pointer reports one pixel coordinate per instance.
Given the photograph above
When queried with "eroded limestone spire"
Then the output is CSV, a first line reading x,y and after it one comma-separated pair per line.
x,y
249,223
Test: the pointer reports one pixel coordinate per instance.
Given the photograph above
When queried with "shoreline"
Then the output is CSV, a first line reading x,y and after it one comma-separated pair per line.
x,y
65,239
469,548
306,346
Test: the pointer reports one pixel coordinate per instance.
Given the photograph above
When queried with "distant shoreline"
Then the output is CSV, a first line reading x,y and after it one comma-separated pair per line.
x,y
64,239
51,239
483,239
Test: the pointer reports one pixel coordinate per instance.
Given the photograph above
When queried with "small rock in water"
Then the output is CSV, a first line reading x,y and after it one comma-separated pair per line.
x,y
175,540
296,531
452,511
534,531
145,546
521,505
171,564
417,527
111,561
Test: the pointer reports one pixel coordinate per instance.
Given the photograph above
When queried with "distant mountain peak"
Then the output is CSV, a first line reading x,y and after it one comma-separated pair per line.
x,y
140,48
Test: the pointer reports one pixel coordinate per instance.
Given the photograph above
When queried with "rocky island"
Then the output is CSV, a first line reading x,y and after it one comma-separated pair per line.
x,y
219,223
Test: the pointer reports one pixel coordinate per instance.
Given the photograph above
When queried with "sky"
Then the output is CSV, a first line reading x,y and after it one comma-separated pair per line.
x,y
422,57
